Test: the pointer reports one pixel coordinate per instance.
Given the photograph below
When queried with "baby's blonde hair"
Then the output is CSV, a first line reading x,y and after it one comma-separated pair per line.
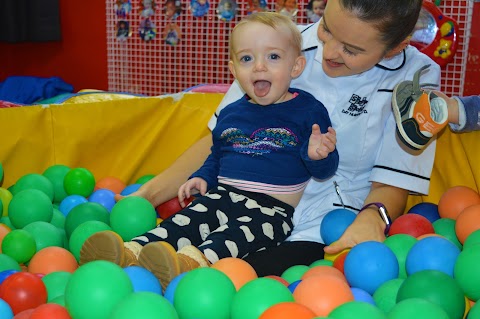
x,y
274,20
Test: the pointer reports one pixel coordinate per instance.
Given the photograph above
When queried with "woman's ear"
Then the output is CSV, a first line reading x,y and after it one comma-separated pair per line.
x,y
399,48
299,66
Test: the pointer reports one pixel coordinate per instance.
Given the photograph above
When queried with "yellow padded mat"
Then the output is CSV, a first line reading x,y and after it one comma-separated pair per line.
x,y
129,138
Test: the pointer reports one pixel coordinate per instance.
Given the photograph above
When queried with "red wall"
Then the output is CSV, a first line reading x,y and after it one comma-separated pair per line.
x,y
79,59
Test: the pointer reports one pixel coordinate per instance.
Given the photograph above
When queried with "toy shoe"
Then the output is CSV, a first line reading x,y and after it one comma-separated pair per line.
x,y
419,114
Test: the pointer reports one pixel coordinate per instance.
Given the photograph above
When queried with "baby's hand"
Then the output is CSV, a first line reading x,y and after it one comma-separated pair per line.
x,y
320,145
196,184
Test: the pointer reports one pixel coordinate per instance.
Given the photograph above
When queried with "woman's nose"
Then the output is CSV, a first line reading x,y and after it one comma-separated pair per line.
x,y
331,49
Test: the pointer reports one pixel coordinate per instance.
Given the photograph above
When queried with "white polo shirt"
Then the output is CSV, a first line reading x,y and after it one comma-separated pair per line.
x,y
361,113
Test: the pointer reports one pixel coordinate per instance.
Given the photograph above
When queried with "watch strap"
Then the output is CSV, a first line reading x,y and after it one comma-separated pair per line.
x,y
382,211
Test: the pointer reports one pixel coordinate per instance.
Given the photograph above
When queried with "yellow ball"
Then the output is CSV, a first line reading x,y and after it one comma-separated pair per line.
x,y
332,257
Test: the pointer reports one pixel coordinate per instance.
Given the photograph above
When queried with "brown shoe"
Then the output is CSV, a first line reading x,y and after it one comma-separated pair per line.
x,y
107,245
190,257
161,259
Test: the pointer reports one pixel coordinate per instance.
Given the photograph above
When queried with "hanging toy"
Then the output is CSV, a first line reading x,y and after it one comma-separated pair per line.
x,y
435,34
147,30
315,10
288,8
199,8
122,8
123,30
147,8
227,10
172,34
173,9
256,6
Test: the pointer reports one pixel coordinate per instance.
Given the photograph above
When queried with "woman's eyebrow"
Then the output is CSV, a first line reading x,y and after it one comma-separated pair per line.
x,y
344,43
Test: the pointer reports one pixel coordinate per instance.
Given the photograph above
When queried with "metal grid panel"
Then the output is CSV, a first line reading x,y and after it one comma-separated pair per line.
x,y
201,56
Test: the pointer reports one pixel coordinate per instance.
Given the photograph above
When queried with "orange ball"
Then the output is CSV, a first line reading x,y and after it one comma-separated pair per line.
x,y
322,293
26,314
50,311
288,310
112,183
51,259
324,270
340,262
467,222
4,230
238,270
455,200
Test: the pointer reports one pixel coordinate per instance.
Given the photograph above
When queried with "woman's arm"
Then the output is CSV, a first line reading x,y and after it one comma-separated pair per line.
x,y
165,185
368,225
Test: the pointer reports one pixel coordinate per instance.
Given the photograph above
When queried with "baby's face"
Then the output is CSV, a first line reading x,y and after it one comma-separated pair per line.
x,y
318,7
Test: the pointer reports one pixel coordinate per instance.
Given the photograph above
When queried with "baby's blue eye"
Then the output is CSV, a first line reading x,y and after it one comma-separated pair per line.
x,y
245,58
274,56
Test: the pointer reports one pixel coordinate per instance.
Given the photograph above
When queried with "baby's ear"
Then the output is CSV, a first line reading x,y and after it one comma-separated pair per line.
x,y
299,66
232,68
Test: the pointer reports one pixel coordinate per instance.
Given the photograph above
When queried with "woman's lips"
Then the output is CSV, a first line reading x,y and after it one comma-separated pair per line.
x,y
333,64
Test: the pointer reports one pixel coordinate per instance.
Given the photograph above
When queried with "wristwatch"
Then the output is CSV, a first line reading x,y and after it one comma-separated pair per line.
x,y
382,211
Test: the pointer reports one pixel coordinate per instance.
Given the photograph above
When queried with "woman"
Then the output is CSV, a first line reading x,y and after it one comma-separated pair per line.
x,y
355,54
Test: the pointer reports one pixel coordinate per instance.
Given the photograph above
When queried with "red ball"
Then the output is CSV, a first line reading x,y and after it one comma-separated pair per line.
x,y
411,224
171,207
279,279
50,311
22,291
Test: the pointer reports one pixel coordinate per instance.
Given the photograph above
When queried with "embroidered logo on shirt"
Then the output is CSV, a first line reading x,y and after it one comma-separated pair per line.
x,y
357,106
262,141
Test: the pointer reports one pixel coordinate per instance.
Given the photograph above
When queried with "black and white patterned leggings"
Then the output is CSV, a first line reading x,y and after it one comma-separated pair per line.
x,y
226,222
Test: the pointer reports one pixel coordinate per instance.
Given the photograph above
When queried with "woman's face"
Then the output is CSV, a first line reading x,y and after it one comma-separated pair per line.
x,y
350,46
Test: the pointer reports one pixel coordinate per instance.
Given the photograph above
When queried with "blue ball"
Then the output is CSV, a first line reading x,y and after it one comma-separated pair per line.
x,y
293,285
172,286
143,280
432,253
70,202
427,210
362,295
335,223
4,274
104,197
5,310
370,264
130,189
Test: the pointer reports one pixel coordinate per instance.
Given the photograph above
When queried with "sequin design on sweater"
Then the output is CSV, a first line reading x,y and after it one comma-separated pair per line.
x,y
262,141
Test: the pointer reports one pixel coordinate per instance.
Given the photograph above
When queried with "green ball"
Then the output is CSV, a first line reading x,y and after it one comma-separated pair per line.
x,y
45,234
34,181
400,244
56,282
60,300
144,304
56,175
321,262
357,310
197,297
82,232
5,198
95,289
145,178
472,239
8,263
256,296
294,273
83,213
1,208
467,272
386,295
58,219
132,216
28,206
417,308
474,312
446,227
1,173
20,245
79,181
436,287
6,220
